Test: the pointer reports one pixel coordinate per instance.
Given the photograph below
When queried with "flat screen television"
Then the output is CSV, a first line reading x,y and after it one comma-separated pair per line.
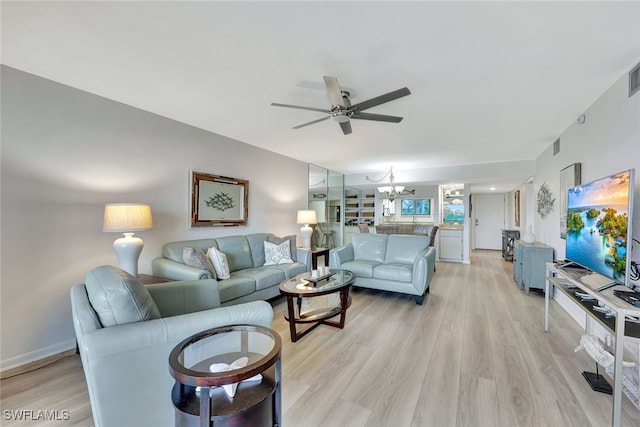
x,y
599,218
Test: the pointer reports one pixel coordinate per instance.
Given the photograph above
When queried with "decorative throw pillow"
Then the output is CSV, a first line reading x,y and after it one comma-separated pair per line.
x,y
277,254
118,298
292,243
196,257
220,264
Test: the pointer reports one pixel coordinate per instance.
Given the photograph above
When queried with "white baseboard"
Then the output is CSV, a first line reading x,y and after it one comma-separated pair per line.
x,y
23,359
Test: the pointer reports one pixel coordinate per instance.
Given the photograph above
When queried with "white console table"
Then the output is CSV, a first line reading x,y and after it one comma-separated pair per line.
x,y
587,282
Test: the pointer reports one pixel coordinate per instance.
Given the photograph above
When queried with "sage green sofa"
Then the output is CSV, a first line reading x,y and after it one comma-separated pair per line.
x,y
250,279
396,263
126,331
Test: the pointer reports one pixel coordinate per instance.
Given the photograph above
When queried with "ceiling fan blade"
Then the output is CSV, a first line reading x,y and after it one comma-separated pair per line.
x,y
346,127
334,91
310,123
377,117
322,110
380,99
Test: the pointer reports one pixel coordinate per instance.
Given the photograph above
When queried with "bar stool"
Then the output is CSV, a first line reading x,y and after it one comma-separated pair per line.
x,y
328,239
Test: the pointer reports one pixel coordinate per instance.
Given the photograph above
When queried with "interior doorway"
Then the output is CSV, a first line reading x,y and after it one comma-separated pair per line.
x,y
488,220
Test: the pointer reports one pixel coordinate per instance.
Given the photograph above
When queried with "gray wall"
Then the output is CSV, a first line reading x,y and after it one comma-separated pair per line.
x,y
608,142
65,153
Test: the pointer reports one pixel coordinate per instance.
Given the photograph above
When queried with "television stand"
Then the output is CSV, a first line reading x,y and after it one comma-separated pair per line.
x,y
569,264
568,281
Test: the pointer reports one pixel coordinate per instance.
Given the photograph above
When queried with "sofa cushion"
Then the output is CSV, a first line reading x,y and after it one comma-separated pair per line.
x,y
404,249
361,268
118,298
290,270
173,250
196,257
237,250
370,247
220,263
265,277
394,272
277,254
235,287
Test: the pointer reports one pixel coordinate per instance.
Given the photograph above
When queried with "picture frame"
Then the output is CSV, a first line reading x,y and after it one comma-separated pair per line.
x,y
516,208
218,201
569,177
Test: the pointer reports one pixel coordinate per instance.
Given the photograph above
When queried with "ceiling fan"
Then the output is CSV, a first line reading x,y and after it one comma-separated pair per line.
x,y
342,111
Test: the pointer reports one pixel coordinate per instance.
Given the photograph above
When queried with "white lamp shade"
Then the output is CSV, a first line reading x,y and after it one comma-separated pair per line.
x,y
126,217
307,217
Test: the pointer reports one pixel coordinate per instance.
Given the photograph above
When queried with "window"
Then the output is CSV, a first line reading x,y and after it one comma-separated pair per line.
x,y
453,210
415,207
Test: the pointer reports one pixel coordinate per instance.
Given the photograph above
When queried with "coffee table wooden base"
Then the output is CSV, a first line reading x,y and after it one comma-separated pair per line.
x,y
317,319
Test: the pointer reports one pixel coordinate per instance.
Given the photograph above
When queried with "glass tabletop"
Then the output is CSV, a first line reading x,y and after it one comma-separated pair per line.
x,y
224,355
306,285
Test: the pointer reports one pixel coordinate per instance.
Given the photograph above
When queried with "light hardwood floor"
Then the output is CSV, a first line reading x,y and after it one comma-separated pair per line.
x,y
475,354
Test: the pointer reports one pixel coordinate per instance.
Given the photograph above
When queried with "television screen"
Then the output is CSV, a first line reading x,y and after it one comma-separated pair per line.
x,y
599,224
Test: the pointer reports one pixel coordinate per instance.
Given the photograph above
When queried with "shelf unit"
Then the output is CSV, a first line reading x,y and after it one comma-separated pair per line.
x,y
570,280
359,207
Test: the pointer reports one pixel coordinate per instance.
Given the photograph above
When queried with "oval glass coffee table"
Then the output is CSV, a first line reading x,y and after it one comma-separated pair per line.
x,y
316,300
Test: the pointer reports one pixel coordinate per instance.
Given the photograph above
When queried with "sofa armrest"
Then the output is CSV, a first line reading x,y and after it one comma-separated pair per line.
x,y
339,256
423,268
303,256
175,298
164,267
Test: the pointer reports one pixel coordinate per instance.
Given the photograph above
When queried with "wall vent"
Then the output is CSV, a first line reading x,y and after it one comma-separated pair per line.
x,y
556,146
634,80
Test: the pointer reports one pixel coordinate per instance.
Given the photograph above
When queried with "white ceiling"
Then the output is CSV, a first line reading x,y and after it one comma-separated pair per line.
x,y
490,81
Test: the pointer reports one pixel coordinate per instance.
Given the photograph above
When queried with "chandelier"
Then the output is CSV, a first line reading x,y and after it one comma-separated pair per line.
x,y
392,190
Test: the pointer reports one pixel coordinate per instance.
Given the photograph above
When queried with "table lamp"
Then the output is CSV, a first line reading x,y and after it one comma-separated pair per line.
x,y
306,218
127,218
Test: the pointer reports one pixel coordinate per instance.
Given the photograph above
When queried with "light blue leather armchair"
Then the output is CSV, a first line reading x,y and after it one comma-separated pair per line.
x,y
126,330
396,263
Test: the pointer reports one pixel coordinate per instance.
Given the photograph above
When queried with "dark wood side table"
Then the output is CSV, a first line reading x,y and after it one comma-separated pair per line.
x,y
317,252
199,395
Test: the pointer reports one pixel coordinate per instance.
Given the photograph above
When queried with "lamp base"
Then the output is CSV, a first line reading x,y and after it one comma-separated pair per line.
x,y
128,250
306,232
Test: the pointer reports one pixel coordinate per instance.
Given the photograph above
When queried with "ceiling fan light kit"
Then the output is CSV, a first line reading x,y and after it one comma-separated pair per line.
x,y
342,111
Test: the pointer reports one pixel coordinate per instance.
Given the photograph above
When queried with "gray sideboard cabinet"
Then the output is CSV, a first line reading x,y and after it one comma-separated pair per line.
x,y
529,264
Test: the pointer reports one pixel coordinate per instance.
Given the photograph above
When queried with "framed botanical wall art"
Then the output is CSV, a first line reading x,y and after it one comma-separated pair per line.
x,y
218,200
569,177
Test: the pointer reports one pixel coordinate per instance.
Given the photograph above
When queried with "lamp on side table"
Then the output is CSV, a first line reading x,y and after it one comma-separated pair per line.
x,y
127,218
306,217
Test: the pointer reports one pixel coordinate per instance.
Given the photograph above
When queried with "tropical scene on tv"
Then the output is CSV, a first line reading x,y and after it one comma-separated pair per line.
x,y
597,221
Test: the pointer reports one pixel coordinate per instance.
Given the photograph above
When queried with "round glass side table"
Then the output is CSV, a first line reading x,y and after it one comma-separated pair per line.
x,y
245,387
